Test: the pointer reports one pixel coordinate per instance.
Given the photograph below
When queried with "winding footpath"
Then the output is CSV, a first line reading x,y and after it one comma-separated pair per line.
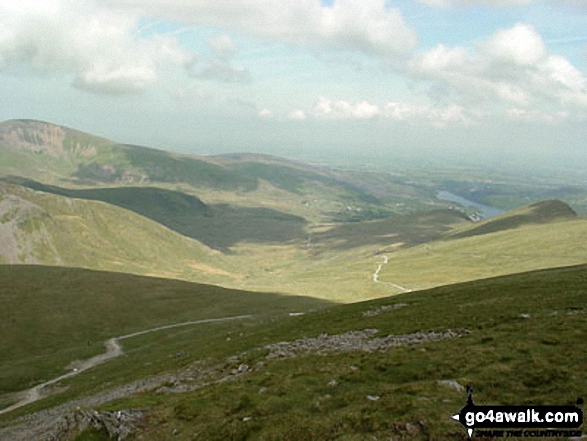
x,y
113,350
376,277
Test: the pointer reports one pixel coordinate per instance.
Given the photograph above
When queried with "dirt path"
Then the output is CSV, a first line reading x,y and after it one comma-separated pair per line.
x,y
113,350
376,277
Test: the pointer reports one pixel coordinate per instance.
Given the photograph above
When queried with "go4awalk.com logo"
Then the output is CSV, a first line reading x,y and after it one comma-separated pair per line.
x,y
520,421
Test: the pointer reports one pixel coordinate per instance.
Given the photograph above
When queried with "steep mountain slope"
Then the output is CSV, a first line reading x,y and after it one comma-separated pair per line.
x,y
87,159
44,138
37,227
219,226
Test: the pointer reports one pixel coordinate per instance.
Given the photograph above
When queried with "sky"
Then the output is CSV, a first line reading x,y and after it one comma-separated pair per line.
x,y
478,80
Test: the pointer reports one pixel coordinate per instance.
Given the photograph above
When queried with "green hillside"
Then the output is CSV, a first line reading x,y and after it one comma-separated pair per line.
x,y
86,159
67,158
274,252
43,228
538,213
51,316
400,392
402,230
219,226
539,236
325,396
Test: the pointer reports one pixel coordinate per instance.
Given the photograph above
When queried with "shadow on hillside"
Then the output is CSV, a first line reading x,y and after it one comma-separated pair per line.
x,y
219,226
408,230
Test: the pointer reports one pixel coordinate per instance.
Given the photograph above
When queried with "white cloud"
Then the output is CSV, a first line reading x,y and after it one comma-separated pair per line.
x,y
535,116
326,108
297,115
452,3
448,116
404,111
439,117
265,113
520,45
120,80
222,45
367,26
222,71
99,47
511,67
579,4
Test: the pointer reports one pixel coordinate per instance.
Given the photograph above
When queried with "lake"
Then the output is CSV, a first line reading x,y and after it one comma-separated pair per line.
x,y
485,211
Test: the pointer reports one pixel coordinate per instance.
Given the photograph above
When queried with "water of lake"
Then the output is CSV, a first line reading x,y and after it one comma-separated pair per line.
x,y
485,211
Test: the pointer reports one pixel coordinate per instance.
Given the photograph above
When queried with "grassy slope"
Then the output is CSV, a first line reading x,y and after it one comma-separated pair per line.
x,y
334,264
538,213
95,235
408,230
542,235
526,345
337,261
88,159
217,225
49,314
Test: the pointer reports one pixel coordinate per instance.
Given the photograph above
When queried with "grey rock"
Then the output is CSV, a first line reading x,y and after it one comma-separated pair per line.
x,y
452,383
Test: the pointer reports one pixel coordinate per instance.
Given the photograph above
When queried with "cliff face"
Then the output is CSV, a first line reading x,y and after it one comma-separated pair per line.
x,y
45,138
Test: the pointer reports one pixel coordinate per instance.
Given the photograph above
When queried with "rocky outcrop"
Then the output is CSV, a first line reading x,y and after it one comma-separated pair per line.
x,y
355,341
42,137
384,308
23,230
118,425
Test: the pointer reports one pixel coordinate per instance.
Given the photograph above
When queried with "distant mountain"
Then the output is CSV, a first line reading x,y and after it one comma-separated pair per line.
x,y
42,150
45,138
86,159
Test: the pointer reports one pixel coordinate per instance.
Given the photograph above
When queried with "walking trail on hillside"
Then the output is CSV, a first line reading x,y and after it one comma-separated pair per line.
x,y
376,276
113,350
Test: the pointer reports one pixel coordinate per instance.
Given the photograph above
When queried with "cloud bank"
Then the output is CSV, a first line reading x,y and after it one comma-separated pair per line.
x,y
98,47
368,26
512,67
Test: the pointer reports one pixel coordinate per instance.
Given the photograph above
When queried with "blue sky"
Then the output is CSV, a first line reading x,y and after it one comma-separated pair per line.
x,y
487,80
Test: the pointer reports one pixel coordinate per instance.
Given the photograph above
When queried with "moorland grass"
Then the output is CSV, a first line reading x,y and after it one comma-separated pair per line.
x,y
526,345
52,316
525,248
